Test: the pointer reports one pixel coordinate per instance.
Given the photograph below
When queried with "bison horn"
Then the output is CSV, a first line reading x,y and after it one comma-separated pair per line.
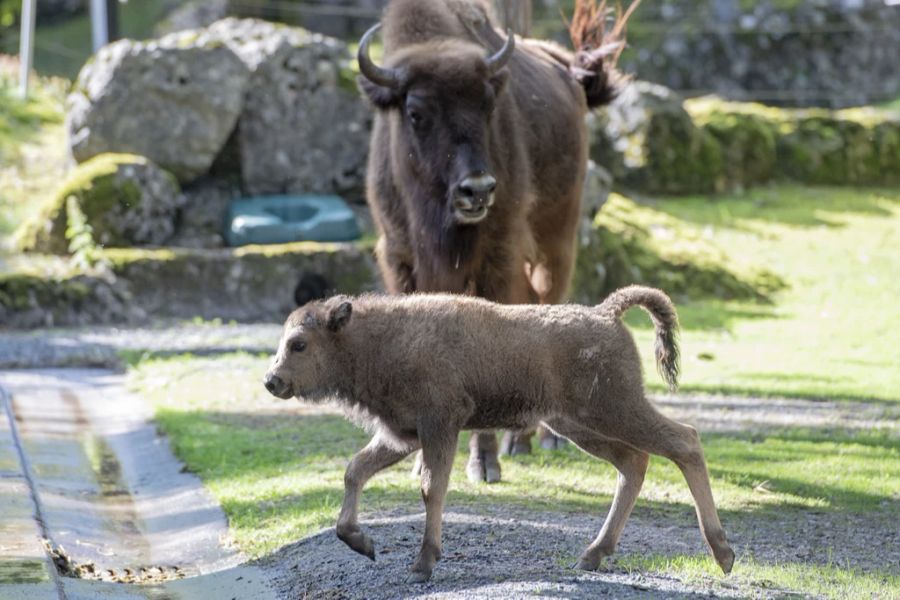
x,y
389,78
499,60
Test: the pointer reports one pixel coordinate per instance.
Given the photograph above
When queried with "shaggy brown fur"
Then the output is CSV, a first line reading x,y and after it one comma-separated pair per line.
x,y
446,119
418,369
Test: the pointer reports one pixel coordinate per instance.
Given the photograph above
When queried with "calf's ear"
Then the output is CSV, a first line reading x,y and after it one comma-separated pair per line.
x,y
380,96
339,316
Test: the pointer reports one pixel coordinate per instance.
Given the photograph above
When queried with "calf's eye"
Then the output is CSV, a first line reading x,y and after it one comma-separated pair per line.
x,y
298,346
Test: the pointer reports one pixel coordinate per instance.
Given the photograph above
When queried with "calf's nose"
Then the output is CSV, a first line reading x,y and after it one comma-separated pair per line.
x,y
274,384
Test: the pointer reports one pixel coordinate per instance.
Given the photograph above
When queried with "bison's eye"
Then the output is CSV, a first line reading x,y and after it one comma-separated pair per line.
x,y
298,346
415,117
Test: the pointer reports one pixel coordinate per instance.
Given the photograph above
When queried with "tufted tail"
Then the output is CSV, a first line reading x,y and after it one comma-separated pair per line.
x,y
664,317
598,45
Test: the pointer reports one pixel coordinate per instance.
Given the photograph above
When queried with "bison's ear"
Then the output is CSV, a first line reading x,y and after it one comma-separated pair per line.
x,y
339,316
382,97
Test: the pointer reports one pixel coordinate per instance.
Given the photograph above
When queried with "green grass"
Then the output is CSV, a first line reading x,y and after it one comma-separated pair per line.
x,y
62,47
278,470
33,149
830,333
779,580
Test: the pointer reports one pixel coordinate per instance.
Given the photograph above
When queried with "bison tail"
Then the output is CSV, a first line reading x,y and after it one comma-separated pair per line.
x,y
598,34
664,317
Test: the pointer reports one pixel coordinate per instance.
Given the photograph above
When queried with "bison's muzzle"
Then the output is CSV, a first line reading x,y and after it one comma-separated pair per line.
x,y
277,387
472,199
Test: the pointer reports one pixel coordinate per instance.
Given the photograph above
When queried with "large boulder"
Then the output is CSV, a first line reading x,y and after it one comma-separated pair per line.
x,y
125,200
648,140
174,100
275,105
303,127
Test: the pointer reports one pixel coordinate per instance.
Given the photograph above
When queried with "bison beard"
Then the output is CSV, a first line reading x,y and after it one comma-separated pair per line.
x,y
478,154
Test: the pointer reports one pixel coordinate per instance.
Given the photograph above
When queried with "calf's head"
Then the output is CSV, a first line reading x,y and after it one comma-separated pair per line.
x,y
308,362
444,94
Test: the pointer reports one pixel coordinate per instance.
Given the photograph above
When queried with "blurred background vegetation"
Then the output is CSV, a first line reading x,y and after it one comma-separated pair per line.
x,y
842,51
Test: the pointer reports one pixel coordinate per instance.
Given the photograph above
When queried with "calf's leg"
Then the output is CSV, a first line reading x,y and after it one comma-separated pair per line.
x,y
642,426
631,465
438,448
376,456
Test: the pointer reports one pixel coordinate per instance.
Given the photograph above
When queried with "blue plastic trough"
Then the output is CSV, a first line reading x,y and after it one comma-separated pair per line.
x,y
282,219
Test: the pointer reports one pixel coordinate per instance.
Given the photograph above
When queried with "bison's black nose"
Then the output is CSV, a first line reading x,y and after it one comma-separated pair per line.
x,y
275,385
474,195
478,187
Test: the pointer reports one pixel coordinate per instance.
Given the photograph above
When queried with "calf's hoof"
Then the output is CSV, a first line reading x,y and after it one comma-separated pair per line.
x,y
592,557
357,541
725,558
418,577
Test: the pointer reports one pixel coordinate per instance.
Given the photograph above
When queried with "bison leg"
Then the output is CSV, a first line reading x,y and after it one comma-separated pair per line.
x,y
516,442
483,463
631,465
438,448
377,455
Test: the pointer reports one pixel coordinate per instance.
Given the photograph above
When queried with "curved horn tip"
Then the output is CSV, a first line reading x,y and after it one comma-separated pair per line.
x,y
499,60
371,71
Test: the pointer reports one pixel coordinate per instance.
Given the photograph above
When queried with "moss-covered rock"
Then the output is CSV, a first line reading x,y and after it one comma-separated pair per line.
x,y
747,147
126,200
681,157
632,244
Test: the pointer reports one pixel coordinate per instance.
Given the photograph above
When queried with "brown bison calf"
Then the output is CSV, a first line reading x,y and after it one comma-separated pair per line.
x,y
416,370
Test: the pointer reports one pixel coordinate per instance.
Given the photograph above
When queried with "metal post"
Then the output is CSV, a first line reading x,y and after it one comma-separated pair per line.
x,y
112,19
99,24
26,45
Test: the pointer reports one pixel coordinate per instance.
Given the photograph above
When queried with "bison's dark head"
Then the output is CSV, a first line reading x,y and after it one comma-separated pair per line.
x,y
444,94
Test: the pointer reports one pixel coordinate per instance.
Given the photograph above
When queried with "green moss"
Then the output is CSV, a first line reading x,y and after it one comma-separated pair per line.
x,y
817,146
635,244
97,188
20,291
747,144
680,157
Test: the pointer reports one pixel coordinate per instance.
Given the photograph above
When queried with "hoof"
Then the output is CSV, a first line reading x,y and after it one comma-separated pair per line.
x,y
492,474
587,564
418,577
359,542
726,560
475,471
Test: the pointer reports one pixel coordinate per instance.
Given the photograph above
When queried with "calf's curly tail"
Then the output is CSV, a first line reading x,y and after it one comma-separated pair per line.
x,y
598,44
665,320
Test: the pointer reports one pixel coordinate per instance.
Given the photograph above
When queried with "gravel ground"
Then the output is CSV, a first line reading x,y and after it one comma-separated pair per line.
x,y
505,553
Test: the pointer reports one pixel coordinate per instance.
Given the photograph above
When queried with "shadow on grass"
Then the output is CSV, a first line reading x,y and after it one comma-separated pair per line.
x,y
243,448
772,390
786,205
709,315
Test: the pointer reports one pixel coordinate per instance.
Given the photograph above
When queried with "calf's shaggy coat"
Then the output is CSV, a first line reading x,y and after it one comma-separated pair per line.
x,y
416,370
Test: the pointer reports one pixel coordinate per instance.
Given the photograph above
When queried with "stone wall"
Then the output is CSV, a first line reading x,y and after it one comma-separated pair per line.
x,y
253,283
653,141
830,53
